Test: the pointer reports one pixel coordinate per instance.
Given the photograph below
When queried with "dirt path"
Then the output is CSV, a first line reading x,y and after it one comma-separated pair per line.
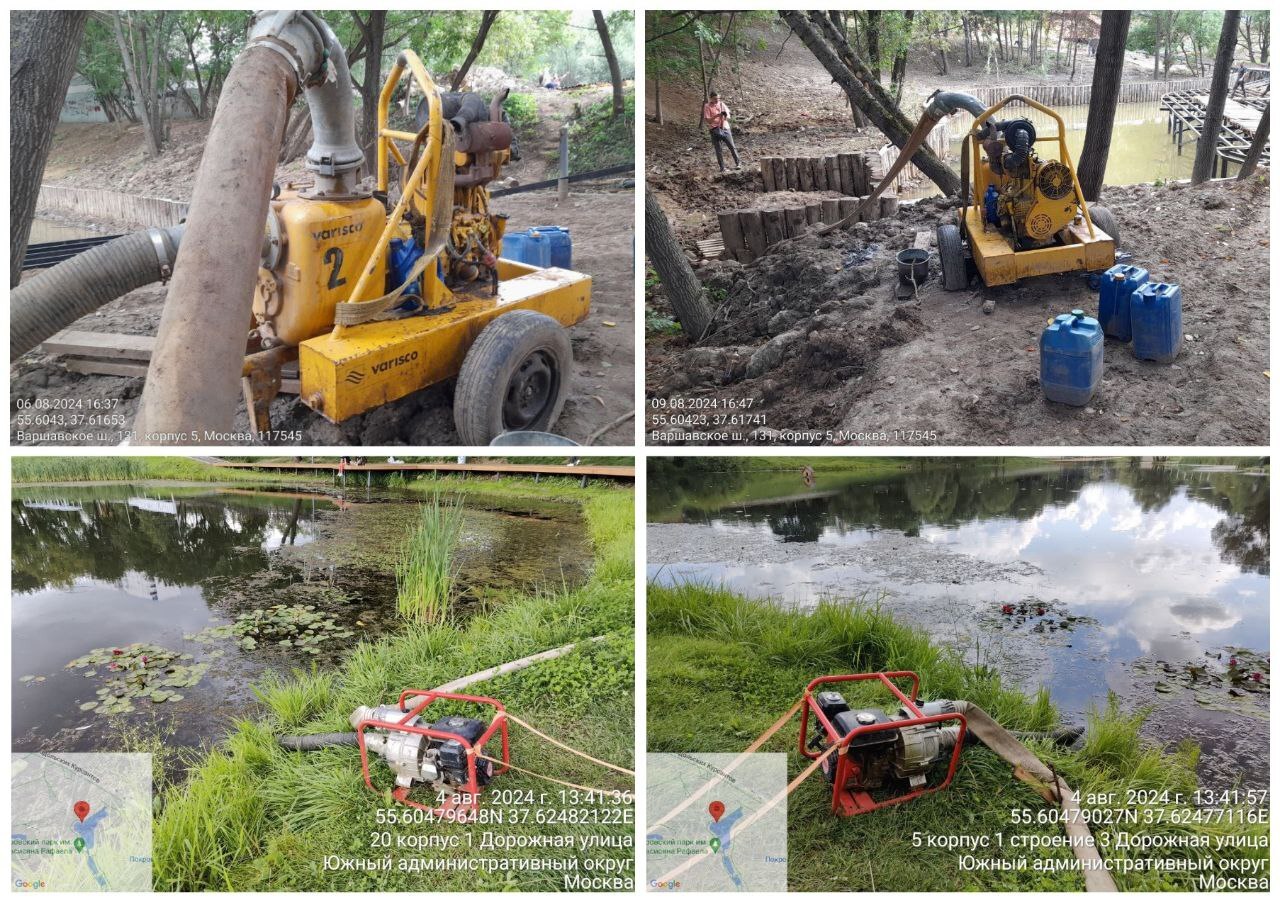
x,y
812,348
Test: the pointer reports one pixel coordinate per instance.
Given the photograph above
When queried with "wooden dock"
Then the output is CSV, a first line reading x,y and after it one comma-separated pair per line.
x,y
490,468
1240,120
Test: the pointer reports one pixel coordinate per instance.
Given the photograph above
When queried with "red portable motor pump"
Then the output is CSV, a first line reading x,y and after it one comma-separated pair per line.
x,y
448,755
877,751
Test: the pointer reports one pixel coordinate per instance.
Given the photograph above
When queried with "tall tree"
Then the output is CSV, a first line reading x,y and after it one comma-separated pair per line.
x,y
486,22
372,26
688,300
898,76
1250,162
143,41
1108,70
615,72
1207,143
853,76
43,45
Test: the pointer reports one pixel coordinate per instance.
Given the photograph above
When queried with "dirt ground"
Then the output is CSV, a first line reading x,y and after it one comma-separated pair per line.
x,y
811,346
600,217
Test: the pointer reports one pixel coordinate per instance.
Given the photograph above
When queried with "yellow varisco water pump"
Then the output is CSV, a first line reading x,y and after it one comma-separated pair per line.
x,y
379,289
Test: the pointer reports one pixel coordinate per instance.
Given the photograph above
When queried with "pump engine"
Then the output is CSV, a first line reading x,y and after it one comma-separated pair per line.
x,y
1031,199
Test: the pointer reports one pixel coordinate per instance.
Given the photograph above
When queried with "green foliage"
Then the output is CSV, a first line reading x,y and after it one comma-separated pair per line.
x,y
252,816
598,140
721,668
522,110
672,48
426,568
127,469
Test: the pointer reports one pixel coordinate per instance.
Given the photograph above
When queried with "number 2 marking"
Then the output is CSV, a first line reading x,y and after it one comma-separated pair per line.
x,y
334,255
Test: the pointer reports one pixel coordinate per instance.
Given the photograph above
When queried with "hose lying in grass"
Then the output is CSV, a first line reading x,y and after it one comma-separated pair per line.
x,y
1032,771
326,740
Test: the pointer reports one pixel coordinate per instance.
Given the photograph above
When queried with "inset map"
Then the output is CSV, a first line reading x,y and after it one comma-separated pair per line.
x,y
711,826
81,822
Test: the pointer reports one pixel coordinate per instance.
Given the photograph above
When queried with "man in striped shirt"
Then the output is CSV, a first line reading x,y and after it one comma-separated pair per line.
x,y
716,115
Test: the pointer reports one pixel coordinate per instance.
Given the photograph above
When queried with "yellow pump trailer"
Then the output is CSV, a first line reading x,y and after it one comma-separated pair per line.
x,y
463,311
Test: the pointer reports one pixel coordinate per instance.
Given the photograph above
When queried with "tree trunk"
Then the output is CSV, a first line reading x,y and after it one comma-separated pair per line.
x,y
1207,143
657,97
1250,162
486,22
1108,69
138,77
899,75
615,71
873,43
968,55
43,45
684,291
847,70
373,31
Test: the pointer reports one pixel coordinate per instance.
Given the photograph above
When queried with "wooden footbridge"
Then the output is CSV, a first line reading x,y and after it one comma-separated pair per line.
x,y
482,467
1240,120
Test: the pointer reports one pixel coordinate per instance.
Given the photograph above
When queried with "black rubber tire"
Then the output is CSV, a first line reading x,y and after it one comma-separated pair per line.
x,y
1103,219
520,341
955,272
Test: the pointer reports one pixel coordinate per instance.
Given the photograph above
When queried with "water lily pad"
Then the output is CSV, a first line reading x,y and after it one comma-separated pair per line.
x,y
27,679
88,706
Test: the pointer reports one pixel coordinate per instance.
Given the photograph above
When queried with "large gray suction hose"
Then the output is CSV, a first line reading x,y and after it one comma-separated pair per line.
x,y
193,382
54,299
317,741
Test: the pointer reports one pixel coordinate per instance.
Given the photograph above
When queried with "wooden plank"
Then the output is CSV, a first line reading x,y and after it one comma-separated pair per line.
x,y
844,163
793,180
766,173
731,232
804,170
133,369
923,240
830,210
796,222
848,207
833,172
101,344
779,174
752,233
775,228
819,174
813,213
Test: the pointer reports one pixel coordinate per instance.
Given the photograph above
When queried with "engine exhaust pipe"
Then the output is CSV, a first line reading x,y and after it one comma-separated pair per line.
x,y
193,381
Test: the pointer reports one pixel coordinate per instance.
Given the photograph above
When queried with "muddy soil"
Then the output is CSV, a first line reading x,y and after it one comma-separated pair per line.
x,y
601,219
810,346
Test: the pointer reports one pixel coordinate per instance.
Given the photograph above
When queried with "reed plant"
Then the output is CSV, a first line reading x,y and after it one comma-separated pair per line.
x,y
427,567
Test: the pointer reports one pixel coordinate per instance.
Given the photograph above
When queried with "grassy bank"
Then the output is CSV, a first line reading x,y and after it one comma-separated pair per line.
x,y
722,668
129,469
253,817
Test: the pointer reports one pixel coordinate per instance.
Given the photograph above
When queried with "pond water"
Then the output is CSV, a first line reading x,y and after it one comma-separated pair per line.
x,y
1121,576
175,569
1142,149
44,230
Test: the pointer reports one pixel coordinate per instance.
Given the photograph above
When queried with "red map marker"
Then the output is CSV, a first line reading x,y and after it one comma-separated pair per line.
x,y
716,810
82,810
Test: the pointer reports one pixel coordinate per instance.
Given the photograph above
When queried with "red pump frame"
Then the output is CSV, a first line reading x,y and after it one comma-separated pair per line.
x,y
465,802
846,802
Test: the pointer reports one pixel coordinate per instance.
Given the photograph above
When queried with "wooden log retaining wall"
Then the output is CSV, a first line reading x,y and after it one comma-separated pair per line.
x,y
1079,94
844,172
128,208
748,234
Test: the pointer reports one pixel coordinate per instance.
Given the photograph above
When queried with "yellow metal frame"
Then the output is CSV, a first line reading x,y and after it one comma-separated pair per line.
x,y
997,261
353,369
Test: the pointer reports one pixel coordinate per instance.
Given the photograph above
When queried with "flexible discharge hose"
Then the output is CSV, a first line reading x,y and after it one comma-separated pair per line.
x,y
317,741
54,299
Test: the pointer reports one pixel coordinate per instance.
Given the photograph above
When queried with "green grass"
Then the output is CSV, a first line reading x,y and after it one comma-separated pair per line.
x,y
426,567
722,668
253,817
128,469
522,110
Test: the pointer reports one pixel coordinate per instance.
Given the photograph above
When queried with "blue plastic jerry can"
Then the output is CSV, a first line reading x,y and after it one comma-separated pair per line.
x,y
1071,358
531,248
1114,293
561,245
1155,310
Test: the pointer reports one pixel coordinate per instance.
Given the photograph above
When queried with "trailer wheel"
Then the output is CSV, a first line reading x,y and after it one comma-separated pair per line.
x,y
514,378
955,272
1105,220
